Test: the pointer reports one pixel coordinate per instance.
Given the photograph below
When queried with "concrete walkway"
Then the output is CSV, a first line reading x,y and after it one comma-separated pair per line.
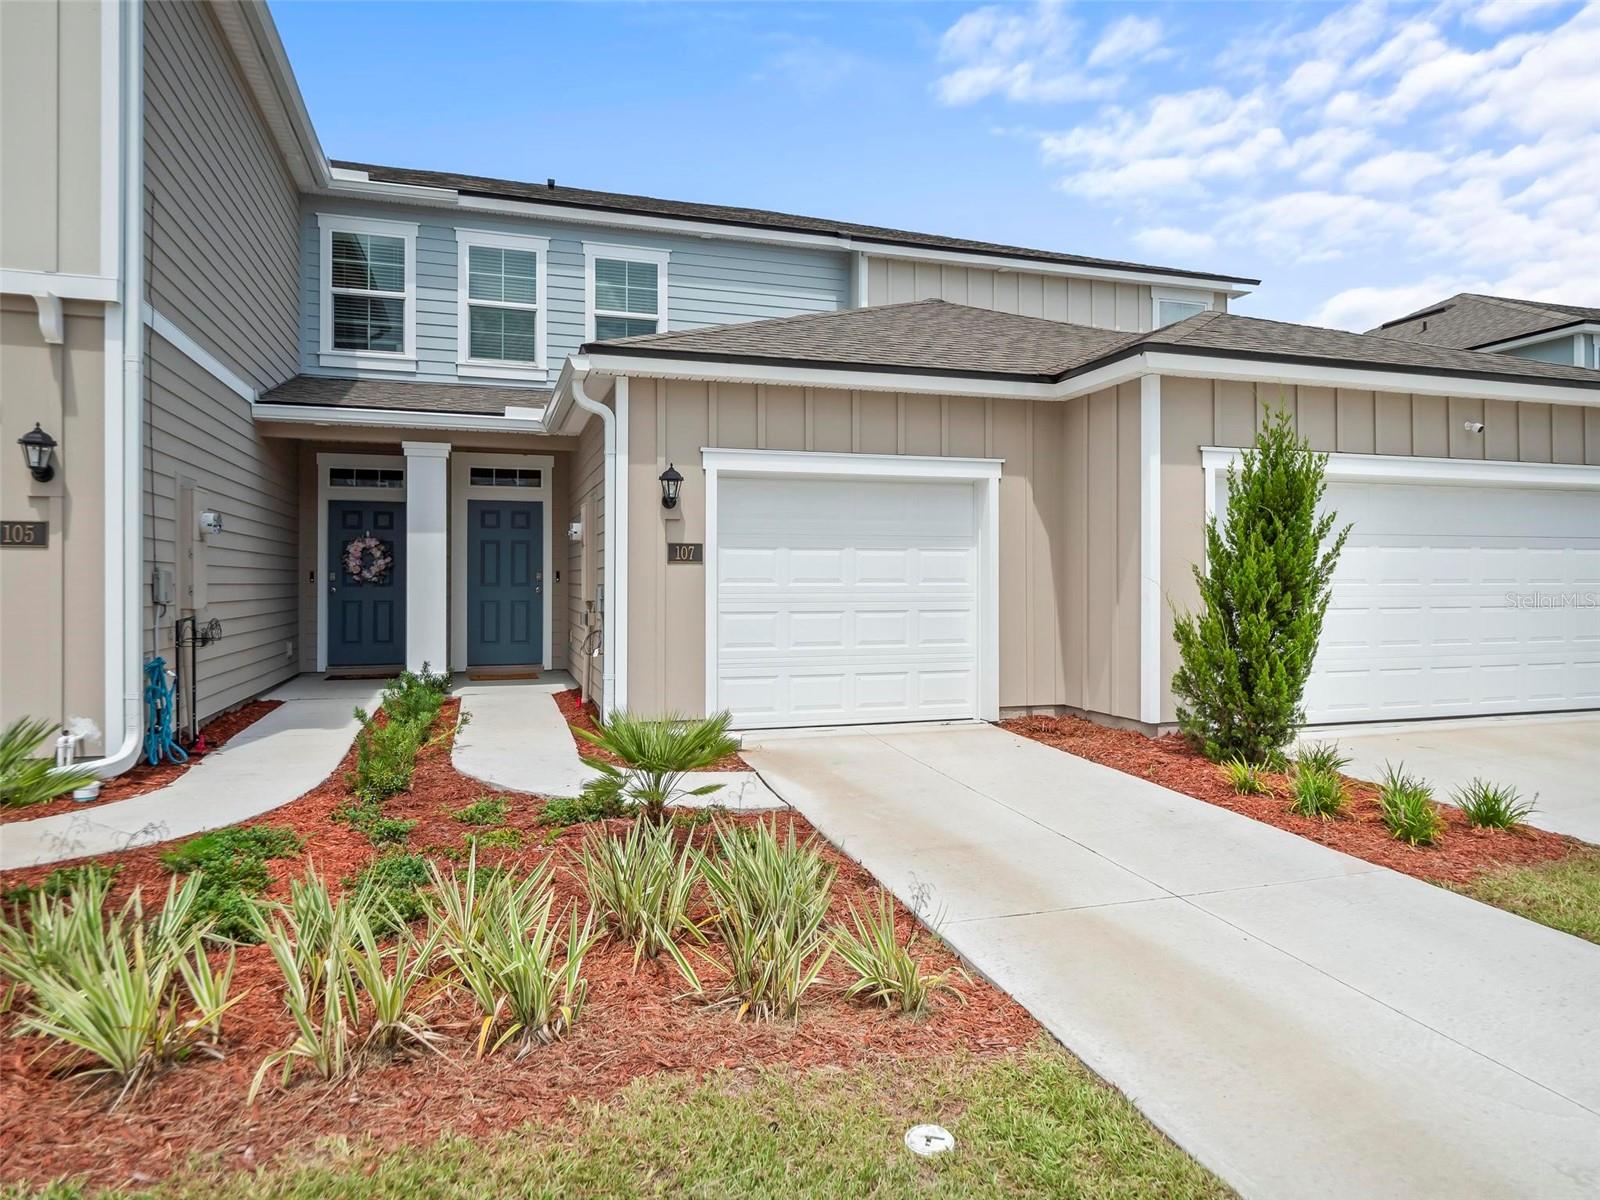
x,y
1553,760
1304,1023
282,756
516,738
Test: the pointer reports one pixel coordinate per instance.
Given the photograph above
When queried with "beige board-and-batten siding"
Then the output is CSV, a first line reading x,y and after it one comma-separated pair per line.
x,y
1102,303
585,558
1204,412
1069,521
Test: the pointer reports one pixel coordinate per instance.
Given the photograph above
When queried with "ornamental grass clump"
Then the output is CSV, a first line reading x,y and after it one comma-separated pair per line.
x,y
1492,805
769,900
886,971
1321,756
126,996
658,754
641,885
1264,590
1245,778
1408,808
1317,793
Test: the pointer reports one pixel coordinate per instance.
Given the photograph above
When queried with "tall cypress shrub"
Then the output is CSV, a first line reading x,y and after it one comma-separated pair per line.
x,y
1247,653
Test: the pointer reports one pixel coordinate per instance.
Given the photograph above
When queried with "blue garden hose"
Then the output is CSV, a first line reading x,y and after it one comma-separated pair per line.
x,y
160,741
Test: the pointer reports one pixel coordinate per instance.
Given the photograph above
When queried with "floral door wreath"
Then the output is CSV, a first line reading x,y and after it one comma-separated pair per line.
x,y
367,559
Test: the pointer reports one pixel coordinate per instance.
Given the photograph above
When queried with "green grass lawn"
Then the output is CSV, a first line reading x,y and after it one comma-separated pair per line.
x,y
1034,1124
1564,895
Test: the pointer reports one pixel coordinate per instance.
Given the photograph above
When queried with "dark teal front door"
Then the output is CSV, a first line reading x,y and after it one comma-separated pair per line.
x,y
505,583
366,605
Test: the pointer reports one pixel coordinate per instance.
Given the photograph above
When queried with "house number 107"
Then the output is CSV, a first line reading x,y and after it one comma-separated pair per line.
x,y
685,552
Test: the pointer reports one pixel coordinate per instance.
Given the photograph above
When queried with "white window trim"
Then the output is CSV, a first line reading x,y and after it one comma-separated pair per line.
x,y
325,461
489,368
461,491
982,473
1176,296
381,360
593,251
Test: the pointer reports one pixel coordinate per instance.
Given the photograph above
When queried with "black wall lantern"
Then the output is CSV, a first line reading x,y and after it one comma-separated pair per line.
x,y
671,481
37,446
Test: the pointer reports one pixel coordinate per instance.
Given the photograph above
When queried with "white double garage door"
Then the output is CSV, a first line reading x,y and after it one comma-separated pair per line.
x,y
846,601
1460,600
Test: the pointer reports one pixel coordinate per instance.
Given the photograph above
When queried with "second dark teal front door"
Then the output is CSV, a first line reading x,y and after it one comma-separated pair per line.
x,y
505,583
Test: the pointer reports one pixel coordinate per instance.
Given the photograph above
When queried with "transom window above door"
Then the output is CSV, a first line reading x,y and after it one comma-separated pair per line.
x,y
501,312
368,292
627,291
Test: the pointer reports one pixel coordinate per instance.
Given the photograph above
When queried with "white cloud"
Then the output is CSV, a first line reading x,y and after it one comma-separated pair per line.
x,y
1366,307
1126,41
1496,15
1168,241
1396,171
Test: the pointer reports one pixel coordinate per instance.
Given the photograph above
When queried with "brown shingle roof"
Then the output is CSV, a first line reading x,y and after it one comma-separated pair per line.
x,y
1470,320
936,337
760,218
404,396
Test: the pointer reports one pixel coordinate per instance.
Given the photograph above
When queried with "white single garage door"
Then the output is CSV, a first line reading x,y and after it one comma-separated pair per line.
x,y
1455,601
845,601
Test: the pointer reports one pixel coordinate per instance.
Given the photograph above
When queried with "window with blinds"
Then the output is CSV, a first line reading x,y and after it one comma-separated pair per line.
x,y
626,298
368,286
502,304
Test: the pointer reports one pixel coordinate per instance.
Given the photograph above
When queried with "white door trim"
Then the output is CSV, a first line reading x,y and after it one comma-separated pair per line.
x,y
324,494
982,473
461,464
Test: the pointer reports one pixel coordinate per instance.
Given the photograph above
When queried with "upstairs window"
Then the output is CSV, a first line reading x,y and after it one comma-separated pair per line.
x,y
501,312
368,296
1172,306
627,291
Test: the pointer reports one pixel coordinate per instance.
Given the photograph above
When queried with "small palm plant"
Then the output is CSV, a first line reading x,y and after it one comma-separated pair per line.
x,y
26,778
887,971
658,755
1492,805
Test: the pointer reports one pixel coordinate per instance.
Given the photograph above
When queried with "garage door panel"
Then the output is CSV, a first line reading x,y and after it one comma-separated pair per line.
x,y
842,601
1460,600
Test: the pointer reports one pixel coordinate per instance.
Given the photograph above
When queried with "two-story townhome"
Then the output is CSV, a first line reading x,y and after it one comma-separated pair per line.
x,y
700,456
1537,329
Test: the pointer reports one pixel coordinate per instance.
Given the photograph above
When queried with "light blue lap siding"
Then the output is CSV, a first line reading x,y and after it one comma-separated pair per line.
x,y
710,282
1557,351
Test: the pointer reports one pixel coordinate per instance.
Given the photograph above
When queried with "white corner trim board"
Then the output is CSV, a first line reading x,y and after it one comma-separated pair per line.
x,y
198,354
983,473
1150,549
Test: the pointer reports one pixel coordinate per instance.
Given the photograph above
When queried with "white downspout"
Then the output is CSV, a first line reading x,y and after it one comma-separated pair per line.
x,y
124,347
615,536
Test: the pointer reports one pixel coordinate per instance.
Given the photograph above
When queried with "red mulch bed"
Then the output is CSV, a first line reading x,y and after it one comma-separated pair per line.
x,y
634,1024
142,777
576,712
1462,853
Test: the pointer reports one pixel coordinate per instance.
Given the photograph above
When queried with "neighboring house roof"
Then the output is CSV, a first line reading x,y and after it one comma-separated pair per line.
x,y
399,396
761,218
935,337
1470,320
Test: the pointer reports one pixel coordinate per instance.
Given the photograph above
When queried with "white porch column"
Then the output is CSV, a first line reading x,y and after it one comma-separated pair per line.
x,y
427,555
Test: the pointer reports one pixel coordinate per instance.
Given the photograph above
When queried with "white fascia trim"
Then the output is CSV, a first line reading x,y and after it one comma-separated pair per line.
x,y
1394,468
783,237
982,473
318,414
496,368
261,59
1150,549
592,251
1551,335
1365,379
328,356
199,355
65,285
863,381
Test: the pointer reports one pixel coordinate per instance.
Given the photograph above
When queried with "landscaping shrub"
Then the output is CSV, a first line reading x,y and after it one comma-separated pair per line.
x,y
1492,805
389,885
62,880
1317,793
770,898
490,810
1321,756
508,838
393,979
1408,808
600,804
231,865
886,971
1246,778
640,884
316,997
1246,655
25,777
388,831
386,751
127,996
658,753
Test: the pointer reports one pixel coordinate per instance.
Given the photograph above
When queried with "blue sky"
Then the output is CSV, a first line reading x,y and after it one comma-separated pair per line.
x,y
1361,158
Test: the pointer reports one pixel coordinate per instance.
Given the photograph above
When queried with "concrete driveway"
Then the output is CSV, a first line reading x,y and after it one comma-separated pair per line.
x,y
1555,758
1304,1023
